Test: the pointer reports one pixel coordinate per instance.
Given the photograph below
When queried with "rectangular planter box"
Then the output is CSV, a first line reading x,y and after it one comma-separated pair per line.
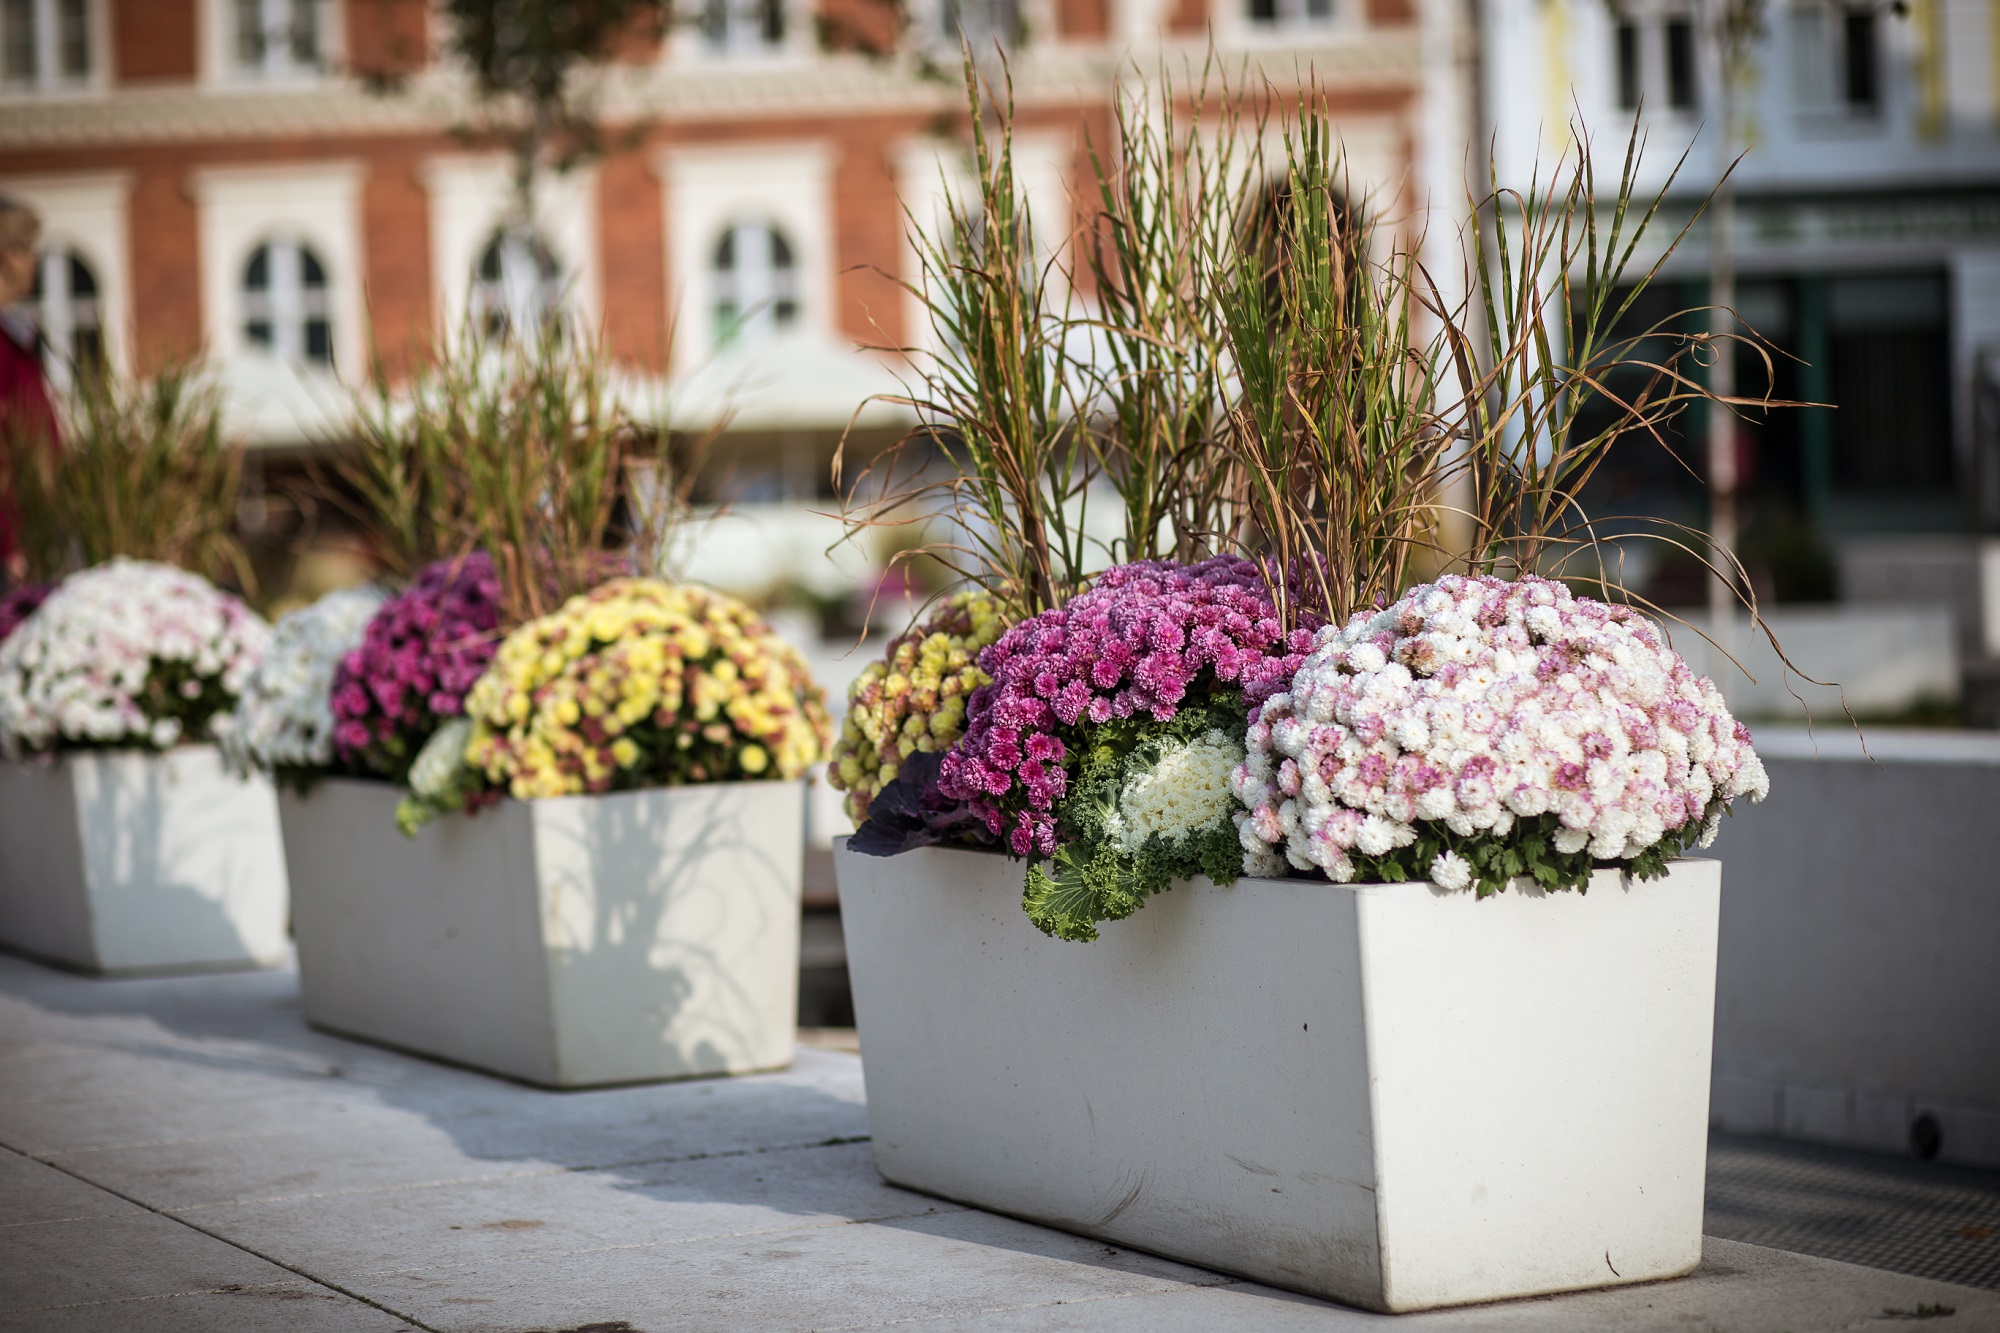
x,y
1386,1095
131,862
568,942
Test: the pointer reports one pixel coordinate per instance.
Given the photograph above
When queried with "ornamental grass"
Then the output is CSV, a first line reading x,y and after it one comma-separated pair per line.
x,y
1262,671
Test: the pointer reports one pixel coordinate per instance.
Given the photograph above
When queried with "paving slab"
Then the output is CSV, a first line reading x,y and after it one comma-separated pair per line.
x,y
188,1154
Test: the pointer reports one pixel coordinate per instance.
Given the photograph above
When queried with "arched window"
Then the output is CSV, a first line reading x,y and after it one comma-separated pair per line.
x,y
277,38
981,23
743,27
517,284
67,309
755,282
285,305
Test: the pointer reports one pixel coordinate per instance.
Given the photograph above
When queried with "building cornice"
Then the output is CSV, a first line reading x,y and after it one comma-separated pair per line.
x,y
668,94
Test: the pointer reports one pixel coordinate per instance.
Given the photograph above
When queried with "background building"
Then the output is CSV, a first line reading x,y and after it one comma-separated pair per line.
x,y
226,178
1867,248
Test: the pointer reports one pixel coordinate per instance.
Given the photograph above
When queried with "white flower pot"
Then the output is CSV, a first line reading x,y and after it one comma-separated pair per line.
x,y
128,862
569,942
1386,1095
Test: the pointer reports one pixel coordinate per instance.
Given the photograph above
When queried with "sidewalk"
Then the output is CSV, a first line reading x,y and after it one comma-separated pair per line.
x,y
186,1155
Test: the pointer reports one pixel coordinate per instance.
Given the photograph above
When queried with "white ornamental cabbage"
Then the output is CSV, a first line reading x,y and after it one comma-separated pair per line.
x,y
1479,729
284,719
128,653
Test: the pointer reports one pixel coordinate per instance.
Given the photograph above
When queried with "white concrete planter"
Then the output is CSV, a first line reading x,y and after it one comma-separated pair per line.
x,y
131,862
1386,1095
569,942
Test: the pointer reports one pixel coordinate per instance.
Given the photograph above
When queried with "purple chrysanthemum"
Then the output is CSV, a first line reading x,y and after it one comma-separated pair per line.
x,y
420,656
1143,639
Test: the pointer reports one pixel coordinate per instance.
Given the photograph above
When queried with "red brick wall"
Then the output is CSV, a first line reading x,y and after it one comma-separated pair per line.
x,y
395,237
387,39
868,26
152,41
1083,20
1392,13
632,253
868,232
166,269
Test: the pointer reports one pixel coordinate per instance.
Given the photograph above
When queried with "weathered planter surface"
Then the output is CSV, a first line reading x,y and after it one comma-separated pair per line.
x,y
1386,1095
568,942
132,862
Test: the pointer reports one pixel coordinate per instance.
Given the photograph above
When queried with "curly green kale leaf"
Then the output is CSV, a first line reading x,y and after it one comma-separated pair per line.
x,y
1117,853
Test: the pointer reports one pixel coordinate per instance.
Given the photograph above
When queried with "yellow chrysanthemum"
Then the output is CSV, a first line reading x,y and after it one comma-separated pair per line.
x,y
913,700
643,683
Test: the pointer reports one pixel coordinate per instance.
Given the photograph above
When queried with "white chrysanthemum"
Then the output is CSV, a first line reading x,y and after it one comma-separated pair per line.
x,y
76,670
1186,790
285,715
1451,872
1475,702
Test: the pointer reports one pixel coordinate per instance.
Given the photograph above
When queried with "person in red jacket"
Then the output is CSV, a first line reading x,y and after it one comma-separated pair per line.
x,y
27,419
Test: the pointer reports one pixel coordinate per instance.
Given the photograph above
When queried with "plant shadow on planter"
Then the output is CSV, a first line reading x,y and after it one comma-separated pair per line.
x,y
129,864
627,904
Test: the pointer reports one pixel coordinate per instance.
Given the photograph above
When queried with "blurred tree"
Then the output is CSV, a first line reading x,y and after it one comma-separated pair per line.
x,y
527,59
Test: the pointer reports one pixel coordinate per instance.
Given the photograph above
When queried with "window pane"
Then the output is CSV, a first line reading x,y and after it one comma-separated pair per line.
x,y
310,271
73,37
1680,63
257,276
258,331
1319,11
19,38
773,22
1812,60
1628,66
250,32
781,249
1263,11
305,32
319,342
82,282
1859,82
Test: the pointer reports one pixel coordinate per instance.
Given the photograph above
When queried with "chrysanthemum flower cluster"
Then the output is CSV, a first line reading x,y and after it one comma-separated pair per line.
x,y
1137,644
912,701
284,720
1478,730
642,683
126,654
18,604
421,653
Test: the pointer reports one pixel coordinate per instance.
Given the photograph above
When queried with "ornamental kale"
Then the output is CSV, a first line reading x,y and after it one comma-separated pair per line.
x,y
1151,804
1079,738
421,654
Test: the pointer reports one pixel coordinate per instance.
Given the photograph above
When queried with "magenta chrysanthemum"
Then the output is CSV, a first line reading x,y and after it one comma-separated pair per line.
x,y
421,655
1142,640
19,603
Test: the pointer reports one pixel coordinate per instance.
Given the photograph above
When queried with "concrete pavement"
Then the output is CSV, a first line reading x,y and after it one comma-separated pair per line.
x,y
187,1154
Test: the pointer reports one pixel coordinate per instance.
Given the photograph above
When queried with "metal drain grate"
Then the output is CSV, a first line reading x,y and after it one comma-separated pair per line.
x,y
1921,1218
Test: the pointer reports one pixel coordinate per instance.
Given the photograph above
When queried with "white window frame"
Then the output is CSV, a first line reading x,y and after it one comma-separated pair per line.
x,y
88,214
1650,18
221,68
688,43
316,205
1233,25
1813,79
525,295
471,196
757,285
286,303
48,79
709,189
59,325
